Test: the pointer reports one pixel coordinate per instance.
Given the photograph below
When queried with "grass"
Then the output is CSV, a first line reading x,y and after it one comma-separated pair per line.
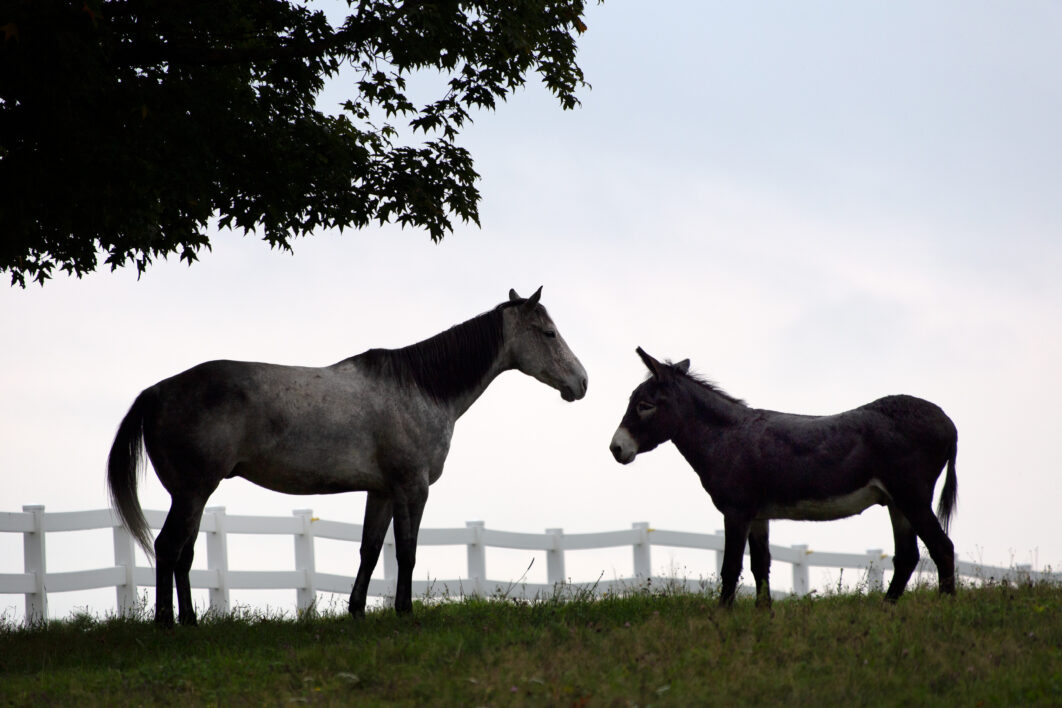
x,y
995,645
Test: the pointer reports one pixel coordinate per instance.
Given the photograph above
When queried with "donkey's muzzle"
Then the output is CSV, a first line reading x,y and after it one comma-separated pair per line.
x,y
623,447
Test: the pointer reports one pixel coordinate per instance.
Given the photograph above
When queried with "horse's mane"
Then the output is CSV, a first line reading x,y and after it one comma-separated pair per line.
x,y
701,381
448,364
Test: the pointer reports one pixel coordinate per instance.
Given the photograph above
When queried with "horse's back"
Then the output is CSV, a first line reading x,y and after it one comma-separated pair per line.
x,y
288,428
237,393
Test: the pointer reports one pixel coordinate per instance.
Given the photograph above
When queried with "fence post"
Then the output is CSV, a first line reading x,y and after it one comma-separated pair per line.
x,y
643,566
33,558
477,557
555,574
125,557
800,570
306,593
218,560
390,558
1022,572
875,572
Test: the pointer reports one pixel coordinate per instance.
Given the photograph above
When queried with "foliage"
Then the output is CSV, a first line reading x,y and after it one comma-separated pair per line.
x,y
994,645
127,125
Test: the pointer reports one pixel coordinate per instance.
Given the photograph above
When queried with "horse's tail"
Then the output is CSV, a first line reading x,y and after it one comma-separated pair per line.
x,y
123,470
950,493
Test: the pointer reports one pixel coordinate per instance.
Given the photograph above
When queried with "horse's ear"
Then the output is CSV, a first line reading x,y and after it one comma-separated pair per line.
x,y
652,364
533,300
683,366
512,295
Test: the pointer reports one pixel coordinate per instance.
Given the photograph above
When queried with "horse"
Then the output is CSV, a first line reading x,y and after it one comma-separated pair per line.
x,y
758,465
380,422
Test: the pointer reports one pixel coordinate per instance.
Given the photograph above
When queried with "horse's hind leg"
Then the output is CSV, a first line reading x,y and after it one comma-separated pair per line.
x,y
185,609
760,560
173,558
378,511
906,558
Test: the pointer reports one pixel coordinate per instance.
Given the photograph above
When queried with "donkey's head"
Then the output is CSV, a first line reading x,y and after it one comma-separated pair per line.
x,y
651,414
535,347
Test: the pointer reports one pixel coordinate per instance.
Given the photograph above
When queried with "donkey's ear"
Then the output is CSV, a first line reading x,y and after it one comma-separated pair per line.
x,y
683,366
533,300
512,295
652,364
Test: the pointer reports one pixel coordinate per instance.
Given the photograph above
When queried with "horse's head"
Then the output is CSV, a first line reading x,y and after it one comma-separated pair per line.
x,y
536,348
650,417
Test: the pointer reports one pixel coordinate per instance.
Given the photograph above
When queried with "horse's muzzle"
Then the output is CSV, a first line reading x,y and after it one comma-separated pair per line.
x,y
570,394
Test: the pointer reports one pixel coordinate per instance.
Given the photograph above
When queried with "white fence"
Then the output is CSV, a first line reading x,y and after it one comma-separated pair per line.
x,y
35,582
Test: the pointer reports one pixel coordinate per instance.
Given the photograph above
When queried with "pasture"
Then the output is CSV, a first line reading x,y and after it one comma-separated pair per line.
x,y
996,644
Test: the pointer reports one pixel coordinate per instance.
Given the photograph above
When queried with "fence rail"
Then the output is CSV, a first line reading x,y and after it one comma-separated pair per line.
x,y
35,582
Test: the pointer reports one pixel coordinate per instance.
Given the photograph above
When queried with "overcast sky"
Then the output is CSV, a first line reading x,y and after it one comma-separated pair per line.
x,y
818,203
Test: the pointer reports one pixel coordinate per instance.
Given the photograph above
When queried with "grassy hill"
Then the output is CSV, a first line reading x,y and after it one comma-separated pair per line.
x,y
998,645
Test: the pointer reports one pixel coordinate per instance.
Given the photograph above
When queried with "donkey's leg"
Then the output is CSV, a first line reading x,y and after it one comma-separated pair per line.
x,y
940,547
760,560
736,532
377,518
906,558
177,532
408,512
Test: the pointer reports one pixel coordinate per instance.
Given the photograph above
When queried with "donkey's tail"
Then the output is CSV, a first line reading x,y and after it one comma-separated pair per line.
x,y
124,465
950,493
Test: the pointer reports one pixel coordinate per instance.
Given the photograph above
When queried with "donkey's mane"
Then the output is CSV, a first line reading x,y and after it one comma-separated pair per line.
x,y
448,364
702,382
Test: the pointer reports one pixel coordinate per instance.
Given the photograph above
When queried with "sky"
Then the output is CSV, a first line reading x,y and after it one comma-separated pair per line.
x,y
818,203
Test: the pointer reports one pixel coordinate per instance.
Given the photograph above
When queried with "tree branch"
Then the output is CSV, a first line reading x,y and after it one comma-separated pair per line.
x,y
194,55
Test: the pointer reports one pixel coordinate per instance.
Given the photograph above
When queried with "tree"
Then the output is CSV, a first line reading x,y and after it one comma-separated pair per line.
x,y
126,126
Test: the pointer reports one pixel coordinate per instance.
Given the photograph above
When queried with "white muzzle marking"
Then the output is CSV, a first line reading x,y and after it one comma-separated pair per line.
x,y
623,446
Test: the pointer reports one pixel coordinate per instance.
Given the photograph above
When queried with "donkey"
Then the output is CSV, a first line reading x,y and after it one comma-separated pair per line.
x,y
759,465
379,422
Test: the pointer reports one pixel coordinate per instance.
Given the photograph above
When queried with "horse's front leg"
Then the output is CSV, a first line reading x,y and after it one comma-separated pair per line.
x,y
378,510
409,508
760,560
736,530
